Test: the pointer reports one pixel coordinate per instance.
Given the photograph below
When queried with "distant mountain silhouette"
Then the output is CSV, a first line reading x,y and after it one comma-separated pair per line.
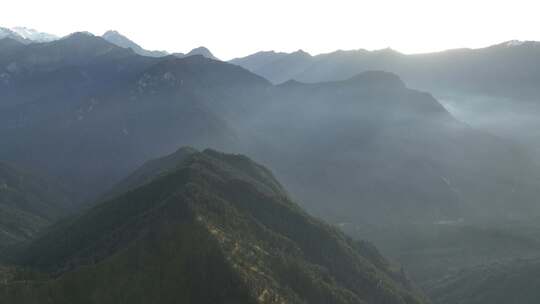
x,y
198,51
508,69
277,67
258,60
122,41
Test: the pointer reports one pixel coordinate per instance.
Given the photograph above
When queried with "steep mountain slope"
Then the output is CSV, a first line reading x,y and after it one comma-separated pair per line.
x,y
151,170
124,42
28,204
218,228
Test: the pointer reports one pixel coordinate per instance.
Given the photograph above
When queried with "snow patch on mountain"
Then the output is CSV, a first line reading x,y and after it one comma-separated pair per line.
x,y
8,33
33,35
515,43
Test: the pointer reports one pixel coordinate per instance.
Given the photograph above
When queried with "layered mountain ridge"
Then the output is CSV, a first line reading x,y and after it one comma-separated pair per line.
x,y
362,136
508,69
352,142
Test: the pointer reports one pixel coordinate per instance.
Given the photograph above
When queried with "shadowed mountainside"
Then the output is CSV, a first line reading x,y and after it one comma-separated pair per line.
x,y
213,228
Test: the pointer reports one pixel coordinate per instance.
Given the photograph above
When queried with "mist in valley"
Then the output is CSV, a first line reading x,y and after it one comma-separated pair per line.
x,y
511,119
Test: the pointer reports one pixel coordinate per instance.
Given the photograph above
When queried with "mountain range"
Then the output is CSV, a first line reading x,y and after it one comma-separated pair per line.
x,y
508,69
103,110
493,89
27,36
353,136
122,41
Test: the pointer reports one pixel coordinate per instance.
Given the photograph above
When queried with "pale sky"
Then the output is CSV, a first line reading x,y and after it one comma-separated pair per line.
x,y
233,28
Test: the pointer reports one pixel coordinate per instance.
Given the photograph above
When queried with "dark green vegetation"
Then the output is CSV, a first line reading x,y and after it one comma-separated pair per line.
x,y
27,204
213,228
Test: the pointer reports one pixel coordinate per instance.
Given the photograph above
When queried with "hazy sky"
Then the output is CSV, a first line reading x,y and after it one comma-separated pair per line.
x,y
232,28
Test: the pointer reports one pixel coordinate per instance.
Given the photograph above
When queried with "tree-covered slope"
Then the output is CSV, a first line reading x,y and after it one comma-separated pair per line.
x,y
28,204
215,228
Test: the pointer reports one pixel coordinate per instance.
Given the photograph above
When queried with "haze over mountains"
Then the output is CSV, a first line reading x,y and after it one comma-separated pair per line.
x,y
350,135
493,88
508,69
116,109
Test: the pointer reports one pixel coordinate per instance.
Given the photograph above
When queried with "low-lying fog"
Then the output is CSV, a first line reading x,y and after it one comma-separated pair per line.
x,y
514,120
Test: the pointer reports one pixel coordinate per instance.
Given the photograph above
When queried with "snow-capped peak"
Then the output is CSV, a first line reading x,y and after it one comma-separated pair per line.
x,y
8,33
33,35
515,43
